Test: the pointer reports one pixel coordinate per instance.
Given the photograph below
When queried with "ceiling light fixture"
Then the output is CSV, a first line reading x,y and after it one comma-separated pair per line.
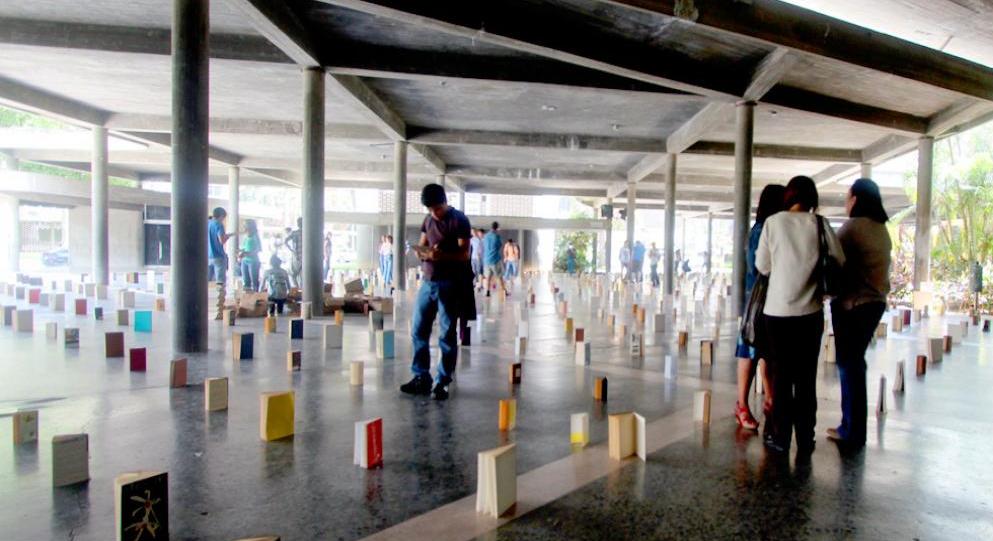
x,y
547,107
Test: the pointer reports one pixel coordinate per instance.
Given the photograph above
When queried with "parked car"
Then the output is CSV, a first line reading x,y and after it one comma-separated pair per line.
x,y
56,258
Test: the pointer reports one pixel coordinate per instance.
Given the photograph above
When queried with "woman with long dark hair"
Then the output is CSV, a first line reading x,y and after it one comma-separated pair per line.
x,y
789,253
251,245
770,202
856,311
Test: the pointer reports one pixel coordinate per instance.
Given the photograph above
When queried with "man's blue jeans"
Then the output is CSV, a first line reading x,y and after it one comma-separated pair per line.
x,y
441,299
218,268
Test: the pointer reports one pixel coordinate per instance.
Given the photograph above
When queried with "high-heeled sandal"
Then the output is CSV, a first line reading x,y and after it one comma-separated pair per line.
x,y
744,417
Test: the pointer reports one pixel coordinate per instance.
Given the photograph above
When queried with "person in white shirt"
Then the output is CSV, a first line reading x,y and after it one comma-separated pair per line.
x,y
789,253
386,259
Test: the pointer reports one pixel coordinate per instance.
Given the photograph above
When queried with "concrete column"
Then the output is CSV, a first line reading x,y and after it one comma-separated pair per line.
x,y
400,212
922,238
743,146
866,170
708,261
190,84
608,244
462,196
313,188
99,213
668,248
632,197
234,213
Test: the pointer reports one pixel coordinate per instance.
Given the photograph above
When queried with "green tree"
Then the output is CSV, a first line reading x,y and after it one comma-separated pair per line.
x,y
582,242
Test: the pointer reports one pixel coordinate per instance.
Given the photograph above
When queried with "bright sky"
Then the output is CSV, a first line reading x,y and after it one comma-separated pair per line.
x,y
952,26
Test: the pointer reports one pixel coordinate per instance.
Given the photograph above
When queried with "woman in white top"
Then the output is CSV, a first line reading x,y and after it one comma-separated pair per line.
x,y
386,259
789,253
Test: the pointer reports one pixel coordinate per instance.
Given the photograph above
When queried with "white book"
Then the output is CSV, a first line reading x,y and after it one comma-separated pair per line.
x,y
898,380
640,437
701,407
496,492
579,429
583,353
671,370
333,336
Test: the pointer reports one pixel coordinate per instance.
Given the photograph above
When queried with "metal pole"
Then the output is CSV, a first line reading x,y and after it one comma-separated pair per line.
x,y
669,255
99,215
922,237
743,144
608,244
710,242
234,212
400,213
313,189
632,193
190,110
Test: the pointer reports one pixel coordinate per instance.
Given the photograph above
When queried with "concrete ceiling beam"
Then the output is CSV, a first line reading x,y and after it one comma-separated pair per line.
x,y
281,26
555,141
245,126
800,29
549,35
532,174
767,75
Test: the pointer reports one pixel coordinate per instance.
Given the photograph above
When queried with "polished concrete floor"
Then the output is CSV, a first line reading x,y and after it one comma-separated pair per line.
x,y
924,474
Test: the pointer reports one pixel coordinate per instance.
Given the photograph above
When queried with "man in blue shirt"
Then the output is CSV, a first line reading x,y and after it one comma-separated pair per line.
x,y
217,270
493,258
444,251
638,261
217,259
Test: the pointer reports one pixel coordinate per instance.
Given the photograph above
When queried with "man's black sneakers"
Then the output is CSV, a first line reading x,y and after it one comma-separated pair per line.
x,y
441,391
419,385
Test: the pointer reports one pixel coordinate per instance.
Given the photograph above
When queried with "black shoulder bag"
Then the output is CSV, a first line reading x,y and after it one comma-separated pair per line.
x,y
828,271
753,310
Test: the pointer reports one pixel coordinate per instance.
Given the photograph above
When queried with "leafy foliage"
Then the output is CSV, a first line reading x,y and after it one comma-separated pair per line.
x,y
582,242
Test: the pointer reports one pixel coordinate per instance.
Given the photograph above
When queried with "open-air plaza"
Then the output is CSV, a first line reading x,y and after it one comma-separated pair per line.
x,y
528,269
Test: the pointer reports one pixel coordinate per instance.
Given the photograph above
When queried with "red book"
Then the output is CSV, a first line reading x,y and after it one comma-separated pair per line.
x,y
137,356
80,307
369,443
34,296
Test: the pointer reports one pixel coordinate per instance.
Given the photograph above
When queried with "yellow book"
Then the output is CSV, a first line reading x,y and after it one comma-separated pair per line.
x,y
508,414
276,415
621,435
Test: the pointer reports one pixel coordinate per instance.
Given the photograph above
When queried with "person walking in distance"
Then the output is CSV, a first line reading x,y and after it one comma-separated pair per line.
x,y
856,312
493,258
217,270
638,261
511,261
294,243
654,256
749,356
625,258
327,257
476,256
789,253
444,250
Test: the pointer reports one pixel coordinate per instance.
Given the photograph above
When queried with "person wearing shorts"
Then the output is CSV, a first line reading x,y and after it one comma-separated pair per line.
x,y
493,259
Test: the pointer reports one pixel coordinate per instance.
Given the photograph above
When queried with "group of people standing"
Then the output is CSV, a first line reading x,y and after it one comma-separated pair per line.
x,y
492,260
797,260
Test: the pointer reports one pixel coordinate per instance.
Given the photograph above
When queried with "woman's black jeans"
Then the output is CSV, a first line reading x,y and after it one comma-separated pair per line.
x,y
793,345
853,330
